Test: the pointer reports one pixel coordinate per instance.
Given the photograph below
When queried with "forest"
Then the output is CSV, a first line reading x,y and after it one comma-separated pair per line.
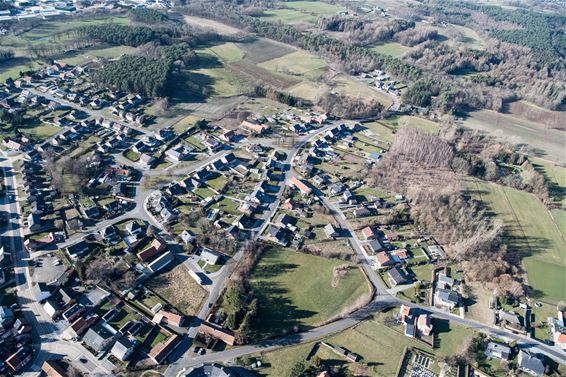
x,y
118,34
147,15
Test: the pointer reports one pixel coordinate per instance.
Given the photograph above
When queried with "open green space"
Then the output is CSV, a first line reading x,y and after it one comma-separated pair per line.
x,y
381,347
532,232
302,11
413,122
87,55
41,131
295,63
391,48
301,290
228,51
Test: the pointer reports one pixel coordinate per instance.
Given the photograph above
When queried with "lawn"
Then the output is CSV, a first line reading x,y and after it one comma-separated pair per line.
x,y
302,11
300,290
348,86
180,290
422,272
132,156
204,192
533,233
210,268
42,131
217,182
227,205
392,49
381,347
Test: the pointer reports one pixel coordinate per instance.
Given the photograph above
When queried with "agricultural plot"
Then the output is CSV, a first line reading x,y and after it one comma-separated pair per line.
x,y
96,53
533,233
296,63
302,290
413,122
302,11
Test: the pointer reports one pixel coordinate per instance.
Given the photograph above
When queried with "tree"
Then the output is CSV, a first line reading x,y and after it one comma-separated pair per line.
x,y
298,370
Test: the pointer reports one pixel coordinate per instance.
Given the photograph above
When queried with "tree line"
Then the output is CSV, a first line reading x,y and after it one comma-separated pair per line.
x,y
6,54
147,15
118,34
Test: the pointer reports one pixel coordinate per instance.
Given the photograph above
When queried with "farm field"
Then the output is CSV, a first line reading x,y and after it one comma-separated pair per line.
x,y
544,142
534,234
90,54
301,290
210,24
457,35
296,63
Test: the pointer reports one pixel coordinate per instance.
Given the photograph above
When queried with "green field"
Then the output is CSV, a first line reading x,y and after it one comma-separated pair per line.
x,y
298,290
228,52
380,346
90,54
532,232
414,122
42,131
302,11
392,49
296,63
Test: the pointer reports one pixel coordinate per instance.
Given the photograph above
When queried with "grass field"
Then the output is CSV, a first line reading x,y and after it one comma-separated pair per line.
x,y
42,131
414,122
228,52
392,49
90,54
302,11
179,289
300,290
348,86
532,232
296,63
380,346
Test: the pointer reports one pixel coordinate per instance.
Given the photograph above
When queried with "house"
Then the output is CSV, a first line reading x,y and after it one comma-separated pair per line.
x,y
498,350
168,318
167,215
41,292
34,223
331,231
188,236
19,359
53,369
446,282
123,348
511,318
375,246
446,298
211,330
303,188
368,233
424,325
146,161
77,249
134,228
176,155
210,256
81,325
161,262
383,259
53,307
362,212
531,363
255,127
337,188
161,351
99,338
397,275
228,136
157,246
210,370
277,235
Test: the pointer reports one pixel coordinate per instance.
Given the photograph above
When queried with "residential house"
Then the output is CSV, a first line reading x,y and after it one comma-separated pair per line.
x,y
146,161
331,231
188,236
34,223
383,259
498,351
255,126
161,262
531,363
161,351
19,359
210,256
303,188
99,338
375,246
134,228
211,330
157,246
123,348
277,235
446,298
368,233
362,212
168,318
78,249
41,291
397,275
53,369
424,325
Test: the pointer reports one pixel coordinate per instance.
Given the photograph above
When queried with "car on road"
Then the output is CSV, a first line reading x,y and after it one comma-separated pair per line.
x,y
83,360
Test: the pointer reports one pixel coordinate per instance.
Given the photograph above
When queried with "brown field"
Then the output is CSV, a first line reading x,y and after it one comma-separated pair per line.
x,y
210,24
552,119
179,289
253,73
